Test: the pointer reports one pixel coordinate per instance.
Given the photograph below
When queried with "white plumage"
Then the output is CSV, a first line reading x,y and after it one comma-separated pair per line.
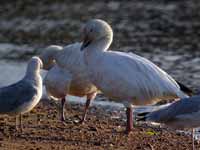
x,y
67,74
57,82
132,77
124,77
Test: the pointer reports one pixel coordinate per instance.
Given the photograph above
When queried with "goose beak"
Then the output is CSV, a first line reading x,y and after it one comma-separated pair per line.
x,y
41,64
86,42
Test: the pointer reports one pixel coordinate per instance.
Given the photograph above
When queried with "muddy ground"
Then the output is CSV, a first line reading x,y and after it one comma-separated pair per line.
x,y
42,130
167,32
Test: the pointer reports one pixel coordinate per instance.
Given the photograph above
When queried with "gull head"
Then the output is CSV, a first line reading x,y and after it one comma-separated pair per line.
x,y
35,64
96,30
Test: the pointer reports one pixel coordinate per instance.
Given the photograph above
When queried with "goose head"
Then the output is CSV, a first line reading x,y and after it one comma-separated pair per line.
x,y
96,30
48,56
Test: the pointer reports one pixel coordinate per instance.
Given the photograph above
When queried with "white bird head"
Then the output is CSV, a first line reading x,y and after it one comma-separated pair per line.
x,y
48,56
34,65
95,30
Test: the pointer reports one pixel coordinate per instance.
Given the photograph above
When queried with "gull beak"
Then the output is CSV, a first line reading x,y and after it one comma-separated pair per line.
x,y
85,43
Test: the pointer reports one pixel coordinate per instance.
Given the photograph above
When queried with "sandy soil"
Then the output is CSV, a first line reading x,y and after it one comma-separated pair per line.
x,y
43,131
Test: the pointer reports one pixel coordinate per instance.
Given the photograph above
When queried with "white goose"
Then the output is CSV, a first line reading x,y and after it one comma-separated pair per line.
x,y
23,96
67,75
124,77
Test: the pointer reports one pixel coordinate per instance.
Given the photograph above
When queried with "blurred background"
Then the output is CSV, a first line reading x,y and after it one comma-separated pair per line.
x,y
165,31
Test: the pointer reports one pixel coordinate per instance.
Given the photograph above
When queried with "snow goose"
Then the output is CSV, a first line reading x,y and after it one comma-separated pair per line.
x,y
67,75
23,96
181,114
124,77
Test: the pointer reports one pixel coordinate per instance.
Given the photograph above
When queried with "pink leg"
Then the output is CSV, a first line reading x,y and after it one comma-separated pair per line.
x,y
90,97
129,114
63,109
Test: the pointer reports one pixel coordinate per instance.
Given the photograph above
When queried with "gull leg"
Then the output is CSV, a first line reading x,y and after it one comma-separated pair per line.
x,y
18,123
90,97
129,115
63,109
193,148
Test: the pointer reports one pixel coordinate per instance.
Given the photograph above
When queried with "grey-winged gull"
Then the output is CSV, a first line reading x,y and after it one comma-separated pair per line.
x,y
23,96
182,114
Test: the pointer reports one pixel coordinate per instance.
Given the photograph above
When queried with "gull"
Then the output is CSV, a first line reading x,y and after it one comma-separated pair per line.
x,y
182,114
23,96
67,75
124,77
